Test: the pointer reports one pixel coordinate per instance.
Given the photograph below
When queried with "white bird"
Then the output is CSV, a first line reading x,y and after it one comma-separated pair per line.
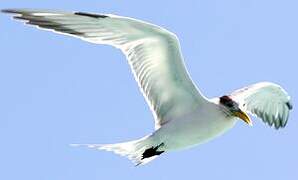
x,y
183,116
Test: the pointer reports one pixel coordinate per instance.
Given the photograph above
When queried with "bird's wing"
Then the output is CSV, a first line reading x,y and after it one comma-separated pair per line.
x,y
268,101
153,54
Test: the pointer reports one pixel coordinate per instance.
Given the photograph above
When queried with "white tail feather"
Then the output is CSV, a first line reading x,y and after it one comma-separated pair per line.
x,y
133,150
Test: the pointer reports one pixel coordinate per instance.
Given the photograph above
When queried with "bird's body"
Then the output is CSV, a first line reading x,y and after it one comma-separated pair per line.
x,y
199,126
183,116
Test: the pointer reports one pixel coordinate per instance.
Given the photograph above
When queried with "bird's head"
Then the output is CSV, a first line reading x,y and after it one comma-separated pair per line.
x,y
234,109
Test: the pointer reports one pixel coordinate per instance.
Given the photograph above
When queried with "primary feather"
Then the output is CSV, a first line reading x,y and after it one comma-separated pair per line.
x,y
268,101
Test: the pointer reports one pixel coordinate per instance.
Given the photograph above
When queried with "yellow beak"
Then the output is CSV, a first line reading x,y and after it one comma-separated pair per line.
x,y
242,115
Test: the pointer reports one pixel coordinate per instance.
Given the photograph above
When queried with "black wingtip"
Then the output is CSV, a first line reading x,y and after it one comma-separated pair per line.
x,y
290,105
91,15
10,11
5,11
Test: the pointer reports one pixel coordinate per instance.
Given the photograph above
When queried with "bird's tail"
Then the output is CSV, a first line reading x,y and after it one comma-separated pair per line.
x,y
133,150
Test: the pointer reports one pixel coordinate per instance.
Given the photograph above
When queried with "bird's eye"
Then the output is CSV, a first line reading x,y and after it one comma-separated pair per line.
x,y
230,104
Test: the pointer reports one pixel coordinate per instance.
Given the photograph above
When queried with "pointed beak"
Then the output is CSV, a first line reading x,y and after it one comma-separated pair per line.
x,y
242,115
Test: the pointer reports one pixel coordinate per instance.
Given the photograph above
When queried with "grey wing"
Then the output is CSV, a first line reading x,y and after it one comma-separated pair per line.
x,y
268,101
152,52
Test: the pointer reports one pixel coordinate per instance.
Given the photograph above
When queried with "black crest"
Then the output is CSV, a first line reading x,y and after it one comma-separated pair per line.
x,y
228,102
225,100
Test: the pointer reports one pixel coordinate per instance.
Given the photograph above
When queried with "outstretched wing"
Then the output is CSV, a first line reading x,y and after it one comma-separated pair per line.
x,y
268,101
152,52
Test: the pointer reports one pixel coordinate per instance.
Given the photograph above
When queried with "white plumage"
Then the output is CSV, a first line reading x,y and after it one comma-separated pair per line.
x,y
183,116
266,100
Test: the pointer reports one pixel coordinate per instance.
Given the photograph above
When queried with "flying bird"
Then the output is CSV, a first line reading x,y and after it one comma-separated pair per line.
x,y
183,116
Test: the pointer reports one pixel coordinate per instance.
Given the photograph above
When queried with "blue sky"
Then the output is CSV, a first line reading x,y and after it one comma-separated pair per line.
x,y
57,90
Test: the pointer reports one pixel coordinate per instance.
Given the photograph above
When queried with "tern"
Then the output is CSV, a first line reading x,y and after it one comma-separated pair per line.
x,y
183,116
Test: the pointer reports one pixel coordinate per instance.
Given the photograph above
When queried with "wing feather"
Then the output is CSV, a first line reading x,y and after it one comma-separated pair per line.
x,y
152,52
268,101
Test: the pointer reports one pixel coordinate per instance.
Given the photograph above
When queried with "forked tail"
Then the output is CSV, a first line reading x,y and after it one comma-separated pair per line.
x,y
139,151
